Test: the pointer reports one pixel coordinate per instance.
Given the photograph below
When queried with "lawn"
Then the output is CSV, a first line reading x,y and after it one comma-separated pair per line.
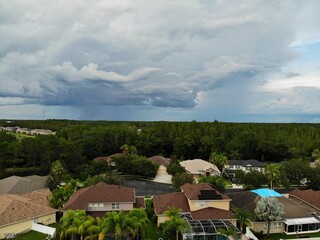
x,y
31,235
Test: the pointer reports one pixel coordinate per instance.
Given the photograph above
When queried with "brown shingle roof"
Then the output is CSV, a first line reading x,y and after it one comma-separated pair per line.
x,y
14,208
106,159
211,213
100,193
310,196
293,209
159,160
139,203
163,202
192,191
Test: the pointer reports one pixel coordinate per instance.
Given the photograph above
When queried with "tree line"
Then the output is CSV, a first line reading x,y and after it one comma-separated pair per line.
x,y
76,143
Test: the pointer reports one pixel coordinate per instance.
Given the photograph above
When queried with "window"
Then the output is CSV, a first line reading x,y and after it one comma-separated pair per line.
x,y
101,205
265,226
115,205
277,225
90,205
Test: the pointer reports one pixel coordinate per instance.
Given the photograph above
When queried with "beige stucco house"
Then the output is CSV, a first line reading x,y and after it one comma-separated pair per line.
x,y
201,206
199,167
18,212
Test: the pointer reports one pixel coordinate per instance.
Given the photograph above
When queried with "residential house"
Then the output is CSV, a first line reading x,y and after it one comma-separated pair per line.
x,y
18,212
100,198
203,207
199,167
244,165
19,185
298,218
308,196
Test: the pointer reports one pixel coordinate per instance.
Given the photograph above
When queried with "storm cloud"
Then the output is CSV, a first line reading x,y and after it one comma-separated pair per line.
x,y
163,60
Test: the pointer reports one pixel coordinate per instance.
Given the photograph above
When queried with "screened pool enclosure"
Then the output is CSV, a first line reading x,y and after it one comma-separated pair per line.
x,y
206,229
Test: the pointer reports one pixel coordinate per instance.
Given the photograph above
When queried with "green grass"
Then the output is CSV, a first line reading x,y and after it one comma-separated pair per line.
x,y
22,135
31,235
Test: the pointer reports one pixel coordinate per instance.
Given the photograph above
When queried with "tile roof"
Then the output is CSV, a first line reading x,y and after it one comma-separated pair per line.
x,y
192,191
19,185
15,208
310,196
195,166
106,159
163,202
100,193
211,213
252,162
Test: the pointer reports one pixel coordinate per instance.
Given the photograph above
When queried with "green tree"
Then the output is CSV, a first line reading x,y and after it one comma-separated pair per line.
x,y
75,222
243,217
175,223
137,222
272,171
216,181
58,174
219,160
269,209
316,154
115,222
181,178
295,170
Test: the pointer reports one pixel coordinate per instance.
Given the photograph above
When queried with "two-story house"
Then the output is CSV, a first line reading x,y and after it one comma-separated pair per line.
x,y
203,207
244,165
100,198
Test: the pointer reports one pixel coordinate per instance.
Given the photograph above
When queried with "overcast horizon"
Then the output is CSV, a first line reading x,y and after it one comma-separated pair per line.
x,y
225,60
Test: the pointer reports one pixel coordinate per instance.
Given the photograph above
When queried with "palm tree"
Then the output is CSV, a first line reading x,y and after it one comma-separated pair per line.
x,y
172,212
219,160
228,232
243,217
272,171
269,209
73,223
137,221
116,222
175,222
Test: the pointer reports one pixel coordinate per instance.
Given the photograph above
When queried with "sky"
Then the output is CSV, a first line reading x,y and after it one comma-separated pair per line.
x,y
163,60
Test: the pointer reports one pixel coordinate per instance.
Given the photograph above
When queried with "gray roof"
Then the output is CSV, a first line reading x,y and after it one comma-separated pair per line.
x,y
292,209
244,163
19,185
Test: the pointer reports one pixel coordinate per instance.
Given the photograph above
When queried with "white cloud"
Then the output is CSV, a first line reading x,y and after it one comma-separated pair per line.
x,y
170,54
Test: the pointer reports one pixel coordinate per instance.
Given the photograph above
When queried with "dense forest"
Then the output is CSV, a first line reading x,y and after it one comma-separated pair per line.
x,y
76,143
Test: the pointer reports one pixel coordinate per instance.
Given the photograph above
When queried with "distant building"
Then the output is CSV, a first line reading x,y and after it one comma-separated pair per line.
x,y
244,165
199,167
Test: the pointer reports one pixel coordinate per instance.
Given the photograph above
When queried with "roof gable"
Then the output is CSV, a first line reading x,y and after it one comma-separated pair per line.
x,y
310,196
244,163
195,166
193,191
164,201
100,193
14,208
